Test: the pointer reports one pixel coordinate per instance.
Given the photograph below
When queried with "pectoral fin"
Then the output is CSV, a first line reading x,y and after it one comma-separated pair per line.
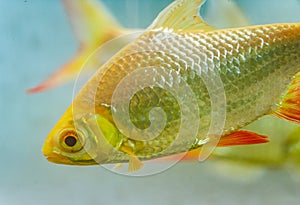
x,y
134,164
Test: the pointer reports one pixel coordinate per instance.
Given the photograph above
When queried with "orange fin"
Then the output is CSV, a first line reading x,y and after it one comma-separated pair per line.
x,y
192,155
289,108
242,137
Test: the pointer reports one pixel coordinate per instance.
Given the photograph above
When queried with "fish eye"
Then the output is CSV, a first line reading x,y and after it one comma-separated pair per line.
x,y
71,141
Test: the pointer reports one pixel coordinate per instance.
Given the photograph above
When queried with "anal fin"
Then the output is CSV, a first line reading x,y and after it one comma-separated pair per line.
x,y
135,163
242,137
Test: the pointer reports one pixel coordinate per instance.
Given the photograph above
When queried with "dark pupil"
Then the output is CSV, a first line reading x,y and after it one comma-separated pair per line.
x,y
70,141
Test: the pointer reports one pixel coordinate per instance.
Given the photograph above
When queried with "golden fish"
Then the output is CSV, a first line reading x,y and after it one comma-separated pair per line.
x,y
194,73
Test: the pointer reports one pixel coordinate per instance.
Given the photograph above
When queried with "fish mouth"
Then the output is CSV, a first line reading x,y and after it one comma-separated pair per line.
x,y
51,156
57,159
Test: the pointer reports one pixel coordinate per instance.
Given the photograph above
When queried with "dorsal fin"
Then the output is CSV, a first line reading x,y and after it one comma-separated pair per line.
x,y
182,15
226,14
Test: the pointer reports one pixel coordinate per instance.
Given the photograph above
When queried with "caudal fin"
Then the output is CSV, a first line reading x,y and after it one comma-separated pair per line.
x,y
289,107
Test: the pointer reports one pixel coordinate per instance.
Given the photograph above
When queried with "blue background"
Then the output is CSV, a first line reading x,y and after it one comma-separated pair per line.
x,y
35,39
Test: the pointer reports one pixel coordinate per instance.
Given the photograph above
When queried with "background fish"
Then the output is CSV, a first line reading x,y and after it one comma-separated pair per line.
x,y
93,25
246,59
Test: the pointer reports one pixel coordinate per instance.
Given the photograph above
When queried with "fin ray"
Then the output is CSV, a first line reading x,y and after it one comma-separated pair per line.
x,y
289,107
135,163
242,137
182,15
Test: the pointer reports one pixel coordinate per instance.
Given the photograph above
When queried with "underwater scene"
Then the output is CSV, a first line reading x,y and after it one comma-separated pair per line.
x,y
230,136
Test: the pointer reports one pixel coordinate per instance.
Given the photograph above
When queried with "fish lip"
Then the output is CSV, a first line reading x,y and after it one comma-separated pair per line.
x,y
54,158
51,156
57,159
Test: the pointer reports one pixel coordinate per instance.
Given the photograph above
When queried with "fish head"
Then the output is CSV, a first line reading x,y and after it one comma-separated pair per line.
x,y
85,140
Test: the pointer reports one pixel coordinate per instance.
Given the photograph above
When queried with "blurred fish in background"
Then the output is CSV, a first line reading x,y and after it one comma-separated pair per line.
x,y
92,25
